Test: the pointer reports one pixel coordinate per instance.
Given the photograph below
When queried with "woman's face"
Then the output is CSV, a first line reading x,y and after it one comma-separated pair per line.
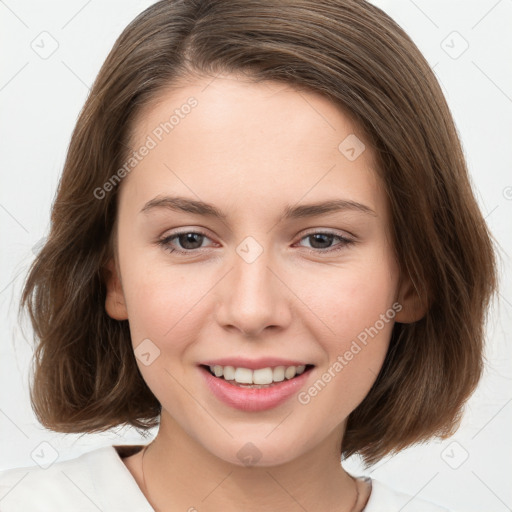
x,y
266,274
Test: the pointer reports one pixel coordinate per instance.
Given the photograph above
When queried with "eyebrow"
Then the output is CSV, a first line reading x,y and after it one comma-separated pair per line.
x,y
183,204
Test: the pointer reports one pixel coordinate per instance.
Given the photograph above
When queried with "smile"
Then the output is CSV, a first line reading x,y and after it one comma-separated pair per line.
x,y
241,387
256,378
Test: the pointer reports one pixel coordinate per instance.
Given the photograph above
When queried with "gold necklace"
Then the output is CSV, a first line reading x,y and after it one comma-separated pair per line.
x,y
353,509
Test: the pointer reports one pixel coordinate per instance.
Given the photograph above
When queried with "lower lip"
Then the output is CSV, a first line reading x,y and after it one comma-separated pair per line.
x,y
254,399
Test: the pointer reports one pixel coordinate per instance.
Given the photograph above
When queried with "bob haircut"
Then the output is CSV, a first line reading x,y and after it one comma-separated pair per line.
x,y
85,374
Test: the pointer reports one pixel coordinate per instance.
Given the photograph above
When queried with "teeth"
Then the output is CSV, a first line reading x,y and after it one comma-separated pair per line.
x,y
243,376
261,376
278,374
228,372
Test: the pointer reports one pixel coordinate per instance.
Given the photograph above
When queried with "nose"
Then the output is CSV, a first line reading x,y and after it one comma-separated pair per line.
x,y
252,297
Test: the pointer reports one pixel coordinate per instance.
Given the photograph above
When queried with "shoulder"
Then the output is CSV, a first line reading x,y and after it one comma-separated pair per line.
x,y
96,480
386,499
52,488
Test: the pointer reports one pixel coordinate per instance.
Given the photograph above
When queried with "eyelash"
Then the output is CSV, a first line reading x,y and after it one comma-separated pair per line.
x,y
344,242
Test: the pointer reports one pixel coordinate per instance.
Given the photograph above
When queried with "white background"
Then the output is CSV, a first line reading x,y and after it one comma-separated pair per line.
x,y
40,100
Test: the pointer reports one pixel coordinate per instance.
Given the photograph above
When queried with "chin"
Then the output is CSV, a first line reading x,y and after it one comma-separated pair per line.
x,y
248,451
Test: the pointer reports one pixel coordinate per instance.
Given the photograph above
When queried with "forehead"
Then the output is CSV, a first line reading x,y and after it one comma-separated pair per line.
x,y
236,105
231,139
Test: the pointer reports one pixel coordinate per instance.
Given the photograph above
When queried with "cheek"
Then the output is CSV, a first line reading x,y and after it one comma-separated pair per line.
x,y
356,304
352,297
165,307
163,302
354,355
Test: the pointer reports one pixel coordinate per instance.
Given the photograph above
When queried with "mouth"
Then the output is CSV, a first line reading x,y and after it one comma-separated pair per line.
x,y
258,378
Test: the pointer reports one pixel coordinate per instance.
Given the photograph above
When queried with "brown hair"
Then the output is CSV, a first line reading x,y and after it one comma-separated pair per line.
x,y
86,378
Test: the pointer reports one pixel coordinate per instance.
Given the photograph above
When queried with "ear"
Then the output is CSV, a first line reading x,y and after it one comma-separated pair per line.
x,y
414,307
114,303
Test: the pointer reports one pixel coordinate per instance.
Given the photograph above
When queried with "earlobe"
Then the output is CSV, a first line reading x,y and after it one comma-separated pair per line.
x,y
414,307
114,302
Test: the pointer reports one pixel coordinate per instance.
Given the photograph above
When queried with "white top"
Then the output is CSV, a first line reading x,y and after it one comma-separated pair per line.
x,y
99,481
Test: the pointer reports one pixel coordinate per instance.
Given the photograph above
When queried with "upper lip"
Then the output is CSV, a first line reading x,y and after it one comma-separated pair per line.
x,y
253,364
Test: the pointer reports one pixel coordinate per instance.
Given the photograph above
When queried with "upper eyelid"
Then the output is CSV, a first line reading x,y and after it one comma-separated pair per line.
x,y
312,231
329,231
184,232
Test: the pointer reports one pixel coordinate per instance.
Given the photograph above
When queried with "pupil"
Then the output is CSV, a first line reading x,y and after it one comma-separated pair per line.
x,y
190,238
317,238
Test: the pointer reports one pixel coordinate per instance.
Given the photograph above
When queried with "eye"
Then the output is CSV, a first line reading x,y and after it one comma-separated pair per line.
x,y
321,242
188,240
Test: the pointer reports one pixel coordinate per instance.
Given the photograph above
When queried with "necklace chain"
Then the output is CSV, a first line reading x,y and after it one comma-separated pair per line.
x,y
143,475
353,509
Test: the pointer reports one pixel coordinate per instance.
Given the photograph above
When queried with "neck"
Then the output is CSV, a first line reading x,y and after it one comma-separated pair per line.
x,y
180,474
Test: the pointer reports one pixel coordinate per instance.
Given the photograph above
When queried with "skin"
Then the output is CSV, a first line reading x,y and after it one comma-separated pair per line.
x,y
252,149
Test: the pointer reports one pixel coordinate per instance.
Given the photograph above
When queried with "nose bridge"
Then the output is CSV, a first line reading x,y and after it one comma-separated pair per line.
x,y
252,298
